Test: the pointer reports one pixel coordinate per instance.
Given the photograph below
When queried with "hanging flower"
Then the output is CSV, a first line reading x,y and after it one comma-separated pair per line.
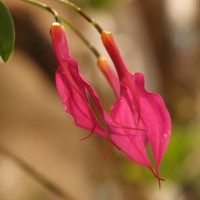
x,y
137,117
137,108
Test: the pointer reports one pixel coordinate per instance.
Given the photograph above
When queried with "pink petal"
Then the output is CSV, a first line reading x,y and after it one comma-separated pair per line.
x,y
156,118
75,105
131,142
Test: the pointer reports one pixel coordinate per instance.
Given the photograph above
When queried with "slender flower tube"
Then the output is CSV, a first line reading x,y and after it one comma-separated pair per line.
x,y
125,76
137,107
110,74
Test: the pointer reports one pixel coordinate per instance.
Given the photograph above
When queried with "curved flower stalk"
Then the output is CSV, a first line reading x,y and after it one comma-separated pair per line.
x,y
137,107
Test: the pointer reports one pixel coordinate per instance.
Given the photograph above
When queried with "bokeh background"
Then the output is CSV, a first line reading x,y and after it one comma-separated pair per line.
x,y
160,38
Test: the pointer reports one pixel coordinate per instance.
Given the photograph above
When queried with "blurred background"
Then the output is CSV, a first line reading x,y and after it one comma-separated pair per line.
x,y
158,38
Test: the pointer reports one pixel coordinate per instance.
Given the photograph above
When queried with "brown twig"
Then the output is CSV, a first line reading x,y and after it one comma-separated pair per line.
x,y
37,176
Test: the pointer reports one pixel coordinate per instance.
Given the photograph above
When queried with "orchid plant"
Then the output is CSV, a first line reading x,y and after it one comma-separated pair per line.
x,y
137,118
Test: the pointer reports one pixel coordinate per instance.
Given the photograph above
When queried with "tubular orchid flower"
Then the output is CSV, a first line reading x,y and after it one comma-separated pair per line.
x,y
137,108
71,85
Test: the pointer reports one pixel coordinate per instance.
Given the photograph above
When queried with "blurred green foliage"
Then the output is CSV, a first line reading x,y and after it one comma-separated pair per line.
x,y
7,33
103,4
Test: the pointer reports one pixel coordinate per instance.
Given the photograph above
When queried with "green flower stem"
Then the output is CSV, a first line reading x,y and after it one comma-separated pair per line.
x,y
89,44
58,19
42,5
79,10
40,178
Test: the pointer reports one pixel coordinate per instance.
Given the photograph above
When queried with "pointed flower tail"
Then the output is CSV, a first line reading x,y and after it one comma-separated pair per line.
x,y
156,118
124,74
110,74
108,150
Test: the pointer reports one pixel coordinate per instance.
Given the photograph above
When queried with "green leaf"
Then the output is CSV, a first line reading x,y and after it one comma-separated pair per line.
x,y
7,33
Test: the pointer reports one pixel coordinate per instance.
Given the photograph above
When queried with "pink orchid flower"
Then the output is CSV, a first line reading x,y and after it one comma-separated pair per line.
x,y
137,108
134,111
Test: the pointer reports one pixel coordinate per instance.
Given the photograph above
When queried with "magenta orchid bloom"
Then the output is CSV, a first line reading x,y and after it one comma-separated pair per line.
x,y
137,117
137,108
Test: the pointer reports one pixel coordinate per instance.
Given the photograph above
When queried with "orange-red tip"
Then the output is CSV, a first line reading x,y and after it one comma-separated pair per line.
x,y
106,36
106,33
102,63
56,27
